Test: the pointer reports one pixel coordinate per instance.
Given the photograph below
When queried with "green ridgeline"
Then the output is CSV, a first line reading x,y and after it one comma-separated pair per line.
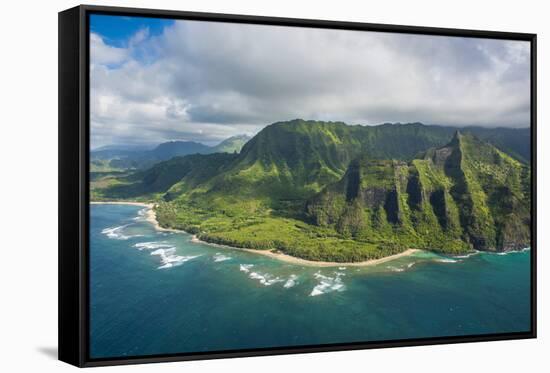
x,y
333,192
122,159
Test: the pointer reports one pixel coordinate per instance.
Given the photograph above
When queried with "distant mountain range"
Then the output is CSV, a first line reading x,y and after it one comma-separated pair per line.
x,y
330,191
112,157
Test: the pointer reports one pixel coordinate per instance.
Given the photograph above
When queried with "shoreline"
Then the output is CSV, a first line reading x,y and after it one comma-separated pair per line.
x,y
305,262
144,204
151,217
312,263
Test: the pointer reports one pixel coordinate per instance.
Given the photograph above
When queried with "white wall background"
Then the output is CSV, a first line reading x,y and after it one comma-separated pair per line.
x,y
28,184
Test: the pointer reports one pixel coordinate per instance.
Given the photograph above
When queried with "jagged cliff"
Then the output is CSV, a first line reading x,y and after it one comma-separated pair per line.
x,y
466,194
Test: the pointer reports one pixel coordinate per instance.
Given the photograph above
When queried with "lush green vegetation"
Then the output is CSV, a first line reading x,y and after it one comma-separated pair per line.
x,y
265,231
333,192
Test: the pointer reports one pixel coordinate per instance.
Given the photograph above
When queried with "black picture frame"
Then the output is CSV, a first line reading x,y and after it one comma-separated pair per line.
x,y
74,180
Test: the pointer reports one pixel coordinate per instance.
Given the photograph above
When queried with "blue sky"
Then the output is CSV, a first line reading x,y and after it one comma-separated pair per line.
x,y
116,30
155,80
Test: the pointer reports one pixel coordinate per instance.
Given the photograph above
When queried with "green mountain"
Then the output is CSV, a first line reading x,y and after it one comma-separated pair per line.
x,y
293,160
172,149
232,144
467,194
113,158
385,141
162,152
177,173
329,191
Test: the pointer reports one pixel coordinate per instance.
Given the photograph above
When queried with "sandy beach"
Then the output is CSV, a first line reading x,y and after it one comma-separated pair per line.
x,y
151,217
311,263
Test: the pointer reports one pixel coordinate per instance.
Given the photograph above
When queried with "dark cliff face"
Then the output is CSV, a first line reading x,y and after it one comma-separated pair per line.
x,y
464,194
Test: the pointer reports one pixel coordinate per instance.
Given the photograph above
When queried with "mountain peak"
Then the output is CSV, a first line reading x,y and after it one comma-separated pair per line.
x,y
455,140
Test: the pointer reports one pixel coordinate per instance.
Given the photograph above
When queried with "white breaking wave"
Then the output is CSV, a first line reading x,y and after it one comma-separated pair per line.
x,y
467,255
219,257
395,269
291,281
141,214
401,268
245,267
447,260
514,251
152,245
265,279
327,284
116,233
169,258
342,268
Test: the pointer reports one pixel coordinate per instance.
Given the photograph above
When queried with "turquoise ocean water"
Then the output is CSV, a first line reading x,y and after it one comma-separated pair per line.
x,y
159,293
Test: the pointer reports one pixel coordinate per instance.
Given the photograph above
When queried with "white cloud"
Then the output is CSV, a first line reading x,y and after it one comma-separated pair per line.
x,y
103,54
206,81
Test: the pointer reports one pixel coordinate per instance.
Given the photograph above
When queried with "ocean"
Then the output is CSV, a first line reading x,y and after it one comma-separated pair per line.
x,y
155,292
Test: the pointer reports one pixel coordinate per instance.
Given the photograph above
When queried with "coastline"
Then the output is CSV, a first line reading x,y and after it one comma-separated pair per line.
x,y
305,262
151,217
309,263
144,204
312,263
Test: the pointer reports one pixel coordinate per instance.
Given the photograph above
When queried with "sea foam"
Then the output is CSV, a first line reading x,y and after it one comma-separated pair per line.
x,y
447,260
169,258
290,282
514,251
465,256
141,214
152,245
115,233
395,269
327,284
265,279
245,267
219,257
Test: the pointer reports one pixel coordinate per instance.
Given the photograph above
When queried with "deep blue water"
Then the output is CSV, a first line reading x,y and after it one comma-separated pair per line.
x,y
171,295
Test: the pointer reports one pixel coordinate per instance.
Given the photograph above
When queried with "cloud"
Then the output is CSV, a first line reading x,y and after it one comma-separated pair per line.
x,y
103,54
207,81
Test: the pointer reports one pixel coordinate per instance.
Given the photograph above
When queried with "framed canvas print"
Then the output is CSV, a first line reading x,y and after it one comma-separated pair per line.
x,y
238,186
